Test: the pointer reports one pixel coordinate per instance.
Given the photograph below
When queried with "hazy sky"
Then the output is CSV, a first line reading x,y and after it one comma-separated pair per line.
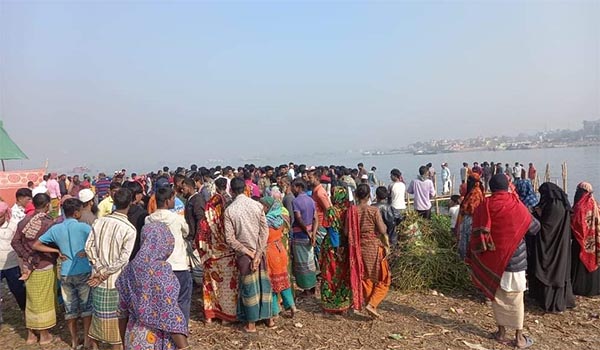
x,y
143,83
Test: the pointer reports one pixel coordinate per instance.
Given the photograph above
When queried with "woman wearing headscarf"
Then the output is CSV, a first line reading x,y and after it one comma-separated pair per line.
x,y
550,283
339,254
473,198
585,226
220,272
277,256
374,247
149,316
526,192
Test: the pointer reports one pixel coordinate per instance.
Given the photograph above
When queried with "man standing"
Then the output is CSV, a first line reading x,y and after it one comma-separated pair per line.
x,y
108,249
107,205
322,203
516,171
431,174
446,181
498,257
62,183
246,232
55,196
532,173
361,170
40,289
179,260
464,172
23,197
304,231
422,189
102,186
397,191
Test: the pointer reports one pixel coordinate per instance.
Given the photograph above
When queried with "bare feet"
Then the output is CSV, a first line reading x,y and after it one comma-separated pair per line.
x,y
271,324
31,338
250,328
294,311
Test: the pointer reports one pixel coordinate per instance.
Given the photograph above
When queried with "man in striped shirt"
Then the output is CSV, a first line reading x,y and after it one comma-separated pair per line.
x,y
102,186
108,249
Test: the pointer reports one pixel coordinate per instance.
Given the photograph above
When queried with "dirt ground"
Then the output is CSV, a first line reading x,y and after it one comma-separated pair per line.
x,y
411,321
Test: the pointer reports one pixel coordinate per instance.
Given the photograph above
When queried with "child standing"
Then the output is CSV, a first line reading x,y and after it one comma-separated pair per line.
x,y
70,237
454,210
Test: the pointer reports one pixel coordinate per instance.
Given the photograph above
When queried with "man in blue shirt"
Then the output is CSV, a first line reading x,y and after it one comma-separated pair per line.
x,y
70,237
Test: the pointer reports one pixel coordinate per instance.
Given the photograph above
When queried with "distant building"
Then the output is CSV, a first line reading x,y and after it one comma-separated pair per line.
x,y
591,128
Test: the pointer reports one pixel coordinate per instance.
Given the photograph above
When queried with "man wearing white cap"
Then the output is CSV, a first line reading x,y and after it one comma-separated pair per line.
x,y
87,211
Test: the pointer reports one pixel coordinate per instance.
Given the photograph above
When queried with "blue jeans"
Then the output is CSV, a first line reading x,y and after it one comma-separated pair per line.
x,y
185,292
77,296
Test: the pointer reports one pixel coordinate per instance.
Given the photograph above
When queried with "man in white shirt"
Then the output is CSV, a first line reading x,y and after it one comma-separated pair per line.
x,y
9,261
397,191
23,197
179,260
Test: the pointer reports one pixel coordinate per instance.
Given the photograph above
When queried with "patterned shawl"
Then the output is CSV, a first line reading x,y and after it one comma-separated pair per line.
x,y
344,212
274,214
499,225
585,224
210,237
473,198
33,227
148,289
526,192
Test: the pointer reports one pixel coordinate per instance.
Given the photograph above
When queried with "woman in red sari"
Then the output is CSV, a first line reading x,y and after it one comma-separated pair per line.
x,y
472,200
374,247
585,226
220,271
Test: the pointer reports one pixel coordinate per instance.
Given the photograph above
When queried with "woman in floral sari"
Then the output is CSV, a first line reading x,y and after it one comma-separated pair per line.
x,y
149,317
220,271
339,259
277,256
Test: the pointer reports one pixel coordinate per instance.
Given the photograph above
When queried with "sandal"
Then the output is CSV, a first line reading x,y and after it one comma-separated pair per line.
x,y
48,342
528,343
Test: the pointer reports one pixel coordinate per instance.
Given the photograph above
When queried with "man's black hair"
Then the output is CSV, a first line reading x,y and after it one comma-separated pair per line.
x,y
115,185
23,192
190,182
122,198
162,195
70,206
299,183
221,183
40,200
237,186
134,187
423,170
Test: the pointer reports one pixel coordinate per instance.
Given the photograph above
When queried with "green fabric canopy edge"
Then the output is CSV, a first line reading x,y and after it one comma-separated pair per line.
x,y
8,148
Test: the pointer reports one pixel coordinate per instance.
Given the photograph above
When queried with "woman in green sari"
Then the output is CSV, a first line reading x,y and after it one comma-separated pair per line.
x,y
339,264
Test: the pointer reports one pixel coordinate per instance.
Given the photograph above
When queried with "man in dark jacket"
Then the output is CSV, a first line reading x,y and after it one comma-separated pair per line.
x,y
391,216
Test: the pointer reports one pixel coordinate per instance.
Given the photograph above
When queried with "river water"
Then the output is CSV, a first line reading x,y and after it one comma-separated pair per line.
x,y
583,163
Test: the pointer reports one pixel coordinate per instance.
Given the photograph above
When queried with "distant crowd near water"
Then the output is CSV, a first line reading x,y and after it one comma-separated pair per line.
x,y
128,252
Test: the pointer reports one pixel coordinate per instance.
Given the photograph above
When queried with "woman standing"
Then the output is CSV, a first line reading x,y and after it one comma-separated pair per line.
x,y
585,225
149,316
550,284
374,247
336,292
220,271
277,256
473,198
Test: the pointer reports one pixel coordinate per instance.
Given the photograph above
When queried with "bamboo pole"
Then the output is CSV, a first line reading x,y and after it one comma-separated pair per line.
x,y
437,205
564,177
452,184
3,167
547,174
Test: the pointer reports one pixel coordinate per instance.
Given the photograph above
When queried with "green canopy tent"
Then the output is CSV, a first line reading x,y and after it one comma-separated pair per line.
x,y
8,148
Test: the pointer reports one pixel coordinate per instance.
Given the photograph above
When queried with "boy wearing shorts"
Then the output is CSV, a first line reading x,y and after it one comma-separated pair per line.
x,y
70,237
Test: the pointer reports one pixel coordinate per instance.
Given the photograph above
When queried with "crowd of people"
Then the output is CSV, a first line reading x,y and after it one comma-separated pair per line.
x,y
128,252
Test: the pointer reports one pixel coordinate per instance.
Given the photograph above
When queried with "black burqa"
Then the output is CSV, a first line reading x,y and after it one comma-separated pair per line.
x,y
550,282
584,282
